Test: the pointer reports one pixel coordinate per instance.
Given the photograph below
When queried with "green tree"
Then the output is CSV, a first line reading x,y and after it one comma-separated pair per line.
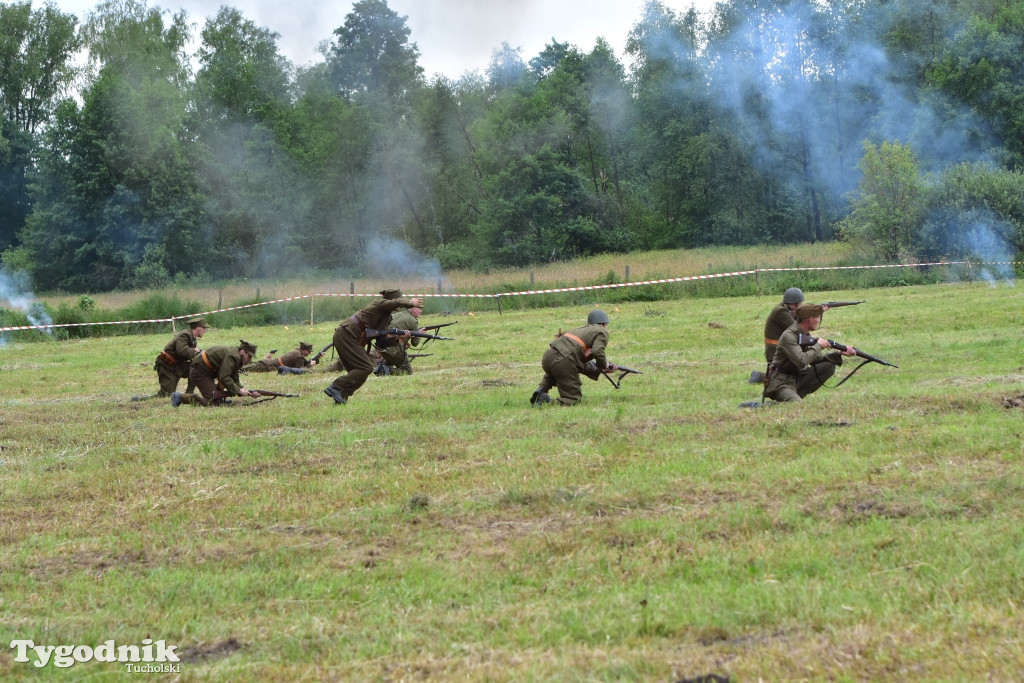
x,y
115,180
372,58
242,123
975,210
888,207
36,70
372,65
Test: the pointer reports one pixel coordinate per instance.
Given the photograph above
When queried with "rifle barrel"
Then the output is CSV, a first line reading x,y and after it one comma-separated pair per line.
x,y
321,352
439,326
863,354
838,304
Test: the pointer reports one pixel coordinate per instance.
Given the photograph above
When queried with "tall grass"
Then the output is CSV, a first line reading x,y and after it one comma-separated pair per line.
x,y
250,299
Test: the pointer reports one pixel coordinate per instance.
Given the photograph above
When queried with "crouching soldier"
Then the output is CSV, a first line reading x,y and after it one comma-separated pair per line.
x,y
175,360
215,374
567,357
394,357
798,371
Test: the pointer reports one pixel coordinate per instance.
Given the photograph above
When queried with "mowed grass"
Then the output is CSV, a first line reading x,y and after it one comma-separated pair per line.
x,y
438,527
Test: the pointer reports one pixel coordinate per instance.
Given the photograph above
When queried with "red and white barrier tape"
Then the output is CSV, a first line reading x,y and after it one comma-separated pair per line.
x,y
583,288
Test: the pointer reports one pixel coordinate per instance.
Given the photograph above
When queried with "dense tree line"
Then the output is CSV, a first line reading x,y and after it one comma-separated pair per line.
x,y
894,124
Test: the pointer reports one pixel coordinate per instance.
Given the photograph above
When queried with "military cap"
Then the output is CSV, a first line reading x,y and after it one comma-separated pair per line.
x,y
391,293
247,346
806,310
197,322
305,346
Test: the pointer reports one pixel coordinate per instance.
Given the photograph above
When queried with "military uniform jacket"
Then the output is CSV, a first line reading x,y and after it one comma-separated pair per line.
x,y
375,316
778,320
292,359
790,357
182,347
223,362
594,338
404,320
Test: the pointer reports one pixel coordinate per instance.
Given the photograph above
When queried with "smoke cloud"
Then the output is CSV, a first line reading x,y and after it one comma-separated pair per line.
x,y
987,245
388,259
16,292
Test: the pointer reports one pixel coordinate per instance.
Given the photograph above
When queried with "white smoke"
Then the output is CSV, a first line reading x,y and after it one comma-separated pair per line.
x,y
16,291
394,260
988,246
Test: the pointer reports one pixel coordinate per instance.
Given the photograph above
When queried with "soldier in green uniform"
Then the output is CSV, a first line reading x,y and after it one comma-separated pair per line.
x,y
350,341
293,362
175,360
566,357
796,371
779,318
394,357
215,374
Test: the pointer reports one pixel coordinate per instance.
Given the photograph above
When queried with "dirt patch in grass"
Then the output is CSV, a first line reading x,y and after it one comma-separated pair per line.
x,y
1013,401
207,651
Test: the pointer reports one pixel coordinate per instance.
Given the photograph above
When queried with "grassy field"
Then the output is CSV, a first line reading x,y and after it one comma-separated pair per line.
x,y
438,527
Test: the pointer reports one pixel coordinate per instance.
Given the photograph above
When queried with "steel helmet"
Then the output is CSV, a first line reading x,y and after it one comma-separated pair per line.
x,y
793,295
597,316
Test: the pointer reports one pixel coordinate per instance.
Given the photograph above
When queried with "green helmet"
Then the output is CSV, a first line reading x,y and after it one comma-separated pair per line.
x,y
793,295
597,316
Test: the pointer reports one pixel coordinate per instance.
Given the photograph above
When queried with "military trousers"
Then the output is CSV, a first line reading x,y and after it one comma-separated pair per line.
x,y
562,373
169,375
785,387
353,358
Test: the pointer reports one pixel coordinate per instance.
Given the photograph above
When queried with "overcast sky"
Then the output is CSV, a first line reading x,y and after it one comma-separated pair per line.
x,y
453,36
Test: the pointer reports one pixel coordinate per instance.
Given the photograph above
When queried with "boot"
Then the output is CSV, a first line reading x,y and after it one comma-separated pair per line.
x,y
756,377
542,398
336,395
541,391
188,399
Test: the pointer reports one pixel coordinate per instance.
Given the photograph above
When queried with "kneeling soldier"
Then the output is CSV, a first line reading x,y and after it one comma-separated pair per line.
x,y
567,356
215,374
174,361
796,371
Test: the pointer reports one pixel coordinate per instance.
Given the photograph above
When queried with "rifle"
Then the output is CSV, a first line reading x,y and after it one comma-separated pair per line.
x,y
372,334
838,304
272,351
591,371
806,340
272,394
410,356
320,353
437,327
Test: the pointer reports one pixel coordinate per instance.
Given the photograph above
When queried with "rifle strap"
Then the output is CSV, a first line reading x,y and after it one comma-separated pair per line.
x,y
586,349
259,400
862,364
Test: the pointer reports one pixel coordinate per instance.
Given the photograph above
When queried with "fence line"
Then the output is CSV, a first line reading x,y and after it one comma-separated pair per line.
x,y
498,297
